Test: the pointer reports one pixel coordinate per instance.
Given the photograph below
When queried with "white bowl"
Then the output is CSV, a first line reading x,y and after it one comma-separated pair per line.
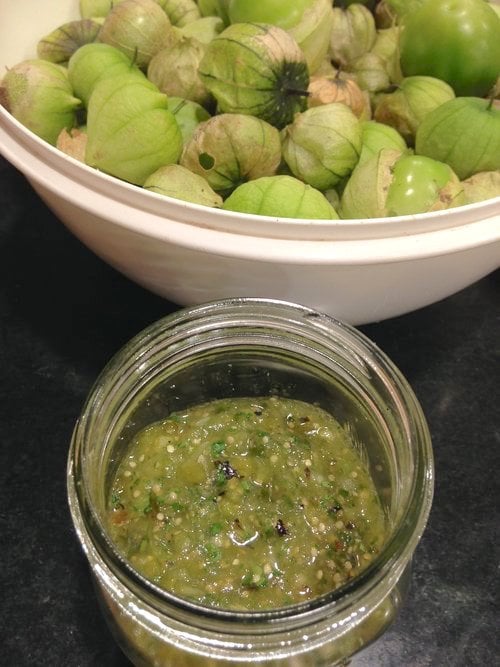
x,y
357,270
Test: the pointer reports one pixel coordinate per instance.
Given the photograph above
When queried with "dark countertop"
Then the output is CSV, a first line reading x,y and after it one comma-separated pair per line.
x,y
64,313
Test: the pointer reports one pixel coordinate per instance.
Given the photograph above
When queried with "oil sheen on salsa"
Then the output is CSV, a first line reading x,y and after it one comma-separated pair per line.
x,y
246,503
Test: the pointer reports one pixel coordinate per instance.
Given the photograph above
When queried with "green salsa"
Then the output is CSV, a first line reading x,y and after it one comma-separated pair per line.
x,y
246,503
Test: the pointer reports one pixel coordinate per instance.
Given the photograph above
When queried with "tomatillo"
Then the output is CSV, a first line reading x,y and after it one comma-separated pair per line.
x,y
457,41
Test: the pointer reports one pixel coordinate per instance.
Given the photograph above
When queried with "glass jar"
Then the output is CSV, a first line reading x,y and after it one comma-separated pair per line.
x,y
252,347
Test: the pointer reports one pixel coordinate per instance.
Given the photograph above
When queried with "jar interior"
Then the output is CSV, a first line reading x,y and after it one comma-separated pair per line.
x,y
354,397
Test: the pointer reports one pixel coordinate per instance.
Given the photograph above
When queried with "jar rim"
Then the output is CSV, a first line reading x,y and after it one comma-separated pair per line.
x,y
404,535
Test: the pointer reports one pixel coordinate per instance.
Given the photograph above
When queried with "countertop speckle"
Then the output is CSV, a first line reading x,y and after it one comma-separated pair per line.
x,y
64,313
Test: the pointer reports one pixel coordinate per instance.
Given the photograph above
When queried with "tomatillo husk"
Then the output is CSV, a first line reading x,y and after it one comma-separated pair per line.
x,y
139,28
38,94
406,107
181,12
256,69
482,186
131,131
394,183
175,71
323,144
280,196
178,182
93,62
312,32
376,136
352,35
230,149
188,115
60,44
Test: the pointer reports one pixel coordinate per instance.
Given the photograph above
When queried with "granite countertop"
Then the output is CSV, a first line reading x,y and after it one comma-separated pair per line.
x,y
64,313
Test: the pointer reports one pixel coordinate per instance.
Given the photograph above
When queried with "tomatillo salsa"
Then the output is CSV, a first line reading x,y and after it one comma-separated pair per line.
x,y
246,503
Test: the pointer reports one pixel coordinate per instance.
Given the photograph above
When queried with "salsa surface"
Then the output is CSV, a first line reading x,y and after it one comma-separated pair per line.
x,y
246,503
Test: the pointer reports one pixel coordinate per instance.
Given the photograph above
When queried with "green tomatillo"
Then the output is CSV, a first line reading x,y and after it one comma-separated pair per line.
x,y
457,41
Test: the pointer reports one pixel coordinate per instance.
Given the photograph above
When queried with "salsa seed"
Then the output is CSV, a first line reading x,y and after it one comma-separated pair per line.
x,y
348,565
156,489
308,463
170,449
136,493
160,516
132,464
267,568
178,521
127,473
319,574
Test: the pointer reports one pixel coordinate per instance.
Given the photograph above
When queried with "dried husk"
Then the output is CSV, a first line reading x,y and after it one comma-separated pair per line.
x,y
256,69
406,107
38,94
312,33
230,149
178,182
352,34
326,90
175,71
73,142
139,28
131,131
482,186
322,145
280,196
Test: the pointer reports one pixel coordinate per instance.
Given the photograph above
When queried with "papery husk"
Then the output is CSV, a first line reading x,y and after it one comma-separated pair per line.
x,y
377,136
280,196
100,8
93,62
385,16
60,44
386,46
406,107
139,28
181,12
326,90
204,29
175,71
256,69
322,145
180,183
312,33
352,34
131,131
188,115
463,132
38,94
73,142
365,193
482,186
230,149
370,72
215,8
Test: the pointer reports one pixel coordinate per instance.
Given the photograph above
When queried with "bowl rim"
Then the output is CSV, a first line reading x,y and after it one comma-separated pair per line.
x,y
218,231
